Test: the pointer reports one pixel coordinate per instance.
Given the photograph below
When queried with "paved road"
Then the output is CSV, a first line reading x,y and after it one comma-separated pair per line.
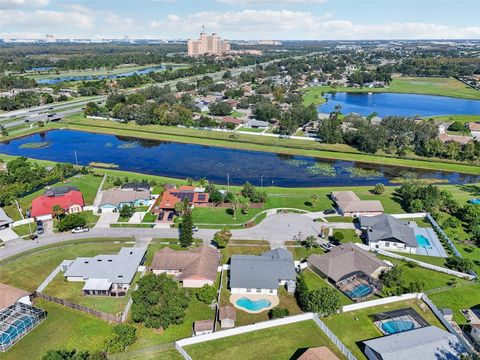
x,y
276,229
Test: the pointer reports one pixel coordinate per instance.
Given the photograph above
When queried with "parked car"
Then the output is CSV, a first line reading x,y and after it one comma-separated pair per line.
x,y
195,228
329,212
79,230
40,228
161,215
170,216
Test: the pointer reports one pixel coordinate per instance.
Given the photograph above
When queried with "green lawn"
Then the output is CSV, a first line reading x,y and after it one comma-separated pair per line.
x,y
315,282
301,252
25,229
282,342
356,326
63,328
72,291
221,216
459,118
233,249
457,299
29,270
408,85
252,130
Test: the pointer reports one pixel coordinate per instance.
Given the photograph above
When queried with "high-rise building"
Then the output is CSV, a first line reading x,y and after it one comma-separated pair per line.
x,y
207,44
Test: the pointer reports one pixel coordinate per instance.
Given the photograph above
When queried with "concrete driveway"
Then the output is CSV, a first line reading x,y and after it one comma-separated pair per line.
x,y
278,228
106,219
7,235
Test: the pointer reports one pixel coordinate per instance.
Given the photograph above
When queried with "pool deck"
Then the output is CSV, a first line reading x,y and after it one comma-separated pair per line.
x,y
274,301
435,249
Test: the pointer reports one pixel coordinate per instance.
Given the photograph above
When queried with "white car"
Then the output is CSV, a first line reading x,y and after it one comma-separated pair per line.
x,y
79,230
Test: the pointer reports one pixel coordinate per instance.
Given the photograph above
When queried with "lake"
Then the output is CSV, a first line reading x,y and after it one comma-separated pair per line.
x,y
180,161
57,80
385,104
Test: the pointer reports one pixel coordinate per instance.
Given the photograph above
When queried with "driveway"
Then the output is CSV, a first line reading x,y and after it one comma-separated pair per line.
x,y
106,219
278,228
7,235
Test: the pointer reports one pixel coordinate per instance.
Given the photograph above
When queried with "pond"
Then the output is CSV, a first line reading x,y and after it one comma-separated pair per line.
x,y
385,104
57,80
179,160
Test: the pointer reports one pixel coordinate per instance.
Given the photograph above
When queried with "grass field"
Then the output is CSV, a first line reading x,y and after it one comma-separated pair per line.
x,y
356,326
460,118
63,328
408,85
279,343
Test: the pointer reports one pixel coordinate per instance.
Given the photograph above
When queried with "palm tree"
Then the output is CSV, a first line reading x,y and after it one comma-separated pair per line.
x,y
57,211
203,182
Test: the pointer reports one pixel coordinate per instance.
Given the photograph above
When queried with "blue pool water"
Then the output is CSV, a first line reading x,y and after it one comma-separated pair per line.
x,y
399,104
253,305
360,291
475,201
10,333
397,326
422,241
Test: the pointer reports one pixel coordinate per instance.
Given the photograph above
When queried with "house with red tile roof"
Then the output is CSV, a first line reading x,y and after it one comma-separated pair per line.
x,y
70,202
231,120
196,197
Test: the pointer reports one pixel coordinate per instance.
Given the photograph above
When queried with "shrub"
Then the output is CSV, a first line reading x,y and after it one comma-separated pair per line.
x,y
122,337
459,264
207,294
70,222
378,189
126,211
338,236
222,237
277,313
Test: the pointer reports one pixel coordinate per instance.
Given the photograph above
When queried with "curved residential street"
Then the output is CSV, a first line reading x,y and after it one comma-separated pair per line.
x,y
276,229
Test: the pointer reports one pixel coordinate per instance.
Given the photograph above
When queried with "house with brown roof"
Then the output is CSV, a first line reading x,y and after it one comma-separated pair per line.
x,y
165,205
10,296
194,267
231,120
349,204
344,261
318,353
460,139
474,128
227,316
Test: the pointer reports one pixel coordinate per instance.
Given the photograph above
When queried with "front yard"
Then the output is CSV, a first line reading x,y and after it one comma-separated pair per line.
x,y
277,343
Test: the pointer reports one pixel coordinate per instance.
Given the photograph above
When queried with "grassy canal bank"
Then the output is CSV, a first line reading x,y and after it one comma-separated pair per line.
x,y
252,142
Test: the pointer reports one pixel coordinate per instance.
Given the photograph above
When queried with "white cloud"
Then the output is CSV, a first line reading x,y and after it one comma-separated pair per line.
x,y
283,2
14,4
46,19
286,24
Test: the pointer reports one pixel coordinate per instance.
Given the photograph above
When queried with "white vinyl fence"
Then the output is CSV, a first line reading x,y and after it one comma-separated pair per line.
x,y
49,278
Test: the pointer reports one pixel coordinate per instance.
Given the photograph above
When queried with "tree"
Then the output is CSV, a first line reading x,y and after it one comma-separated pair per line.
x,y
122,337
393,280
277,313
73,355
220,108
222,238
215,196
310,241
91,109
250,192
338,236
314,199
70,222
186,228
330,130
159,301
324,301
57,211
127,211
207,294
378,189
459,264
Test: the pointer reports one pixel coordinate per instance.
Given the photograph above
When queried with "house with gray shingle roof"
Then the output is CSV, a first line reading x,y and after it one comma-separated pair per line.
x,y
115,199
263,274
427,343
388,233
5,220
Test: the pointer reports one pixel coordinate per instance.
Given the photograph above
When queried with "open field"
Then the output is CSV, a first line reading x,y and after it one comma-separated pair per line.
x,y
63,328
28,270
456,299
279,343
356,326
409,85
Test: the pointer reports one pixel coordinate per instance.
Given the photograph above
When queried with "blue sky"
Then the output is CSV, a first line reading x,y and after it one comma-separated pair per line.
x,y
242,19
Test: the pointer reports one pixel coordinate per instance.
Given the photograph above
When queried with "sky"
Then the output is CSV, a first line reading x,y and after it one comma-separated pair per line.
x,y
242,19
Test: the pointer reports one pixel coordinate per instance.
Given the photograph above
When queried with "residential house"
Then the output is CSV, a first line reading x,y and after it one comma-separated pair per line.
x,y
474,128
197,197
70,202
386,232
349,204
318,353
256,124
460,139
475,333
194,268
60,190
345,261
227,316
5,220
106,274
263,274
136,186
426,343
114,199
202,327
231,120
10,295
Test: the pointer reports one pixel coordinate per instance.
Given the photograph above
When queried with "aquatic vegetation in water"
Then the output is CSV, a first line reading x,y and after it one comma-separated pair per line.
x,y
131,145
402,180
35,145
320,169
108,145
363,173
104,165
296,162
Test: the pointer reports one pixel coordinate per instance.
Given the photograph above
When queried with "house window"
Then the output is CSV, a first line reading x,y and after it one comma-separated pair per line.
x,y
259,290
270,291
387,244
249,290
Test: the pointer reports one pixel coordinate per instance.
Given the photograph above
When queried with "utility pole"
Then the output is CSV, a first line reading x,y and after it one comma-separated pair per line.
x,y
261,181
228,181
76,159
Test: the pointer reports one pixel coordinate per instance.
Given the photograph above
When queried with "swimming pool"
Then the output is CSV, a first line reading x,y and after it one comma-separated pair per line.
x,y
359,291
253,305
397,326
16,329
475,201
422,241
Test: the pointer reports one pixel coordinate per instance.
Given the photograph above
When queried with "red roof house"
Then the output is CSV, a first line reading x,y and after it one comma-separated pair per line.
x,y
196,197
71,202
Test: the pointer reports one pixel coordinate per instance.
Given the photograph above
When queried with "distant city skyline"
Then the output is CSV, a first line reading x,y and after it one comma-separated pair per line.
x,y
241,19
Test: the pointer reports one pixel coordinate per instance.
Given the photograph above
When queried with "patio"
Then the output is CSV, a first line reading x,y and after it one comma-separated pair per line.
x,y
435,247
